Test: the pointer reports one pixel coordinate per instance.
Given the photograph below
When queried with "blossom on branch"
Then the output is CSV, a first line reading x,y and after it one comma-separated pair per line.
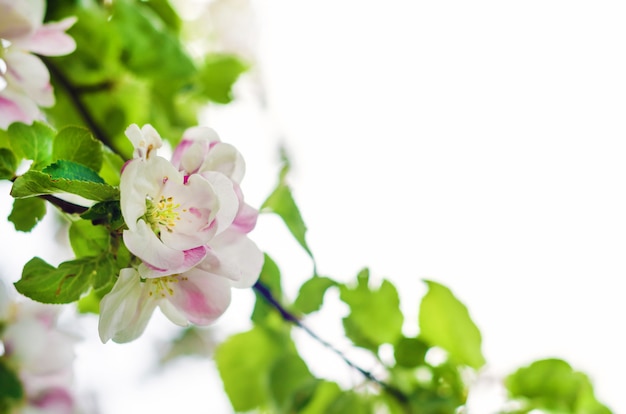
x,y
188,224
24,79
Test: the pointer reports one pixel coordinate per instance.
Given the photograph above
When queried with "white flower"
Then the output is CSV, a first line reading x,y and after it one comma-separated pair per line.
x,y
171,216
194,296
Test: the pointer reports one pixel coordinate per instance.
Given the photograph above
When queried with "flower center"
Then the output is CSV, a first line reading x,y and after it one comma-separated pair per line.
x,y
162,214
162,287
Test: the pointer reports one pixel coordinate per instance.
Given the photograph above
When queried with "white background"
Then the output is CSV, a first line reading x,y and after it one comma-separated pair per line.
x,y
479,144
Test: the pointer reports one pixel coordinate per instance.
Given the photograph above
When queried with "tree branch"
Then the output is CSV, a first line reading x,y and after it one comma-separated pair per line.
x,y
74,94
289,317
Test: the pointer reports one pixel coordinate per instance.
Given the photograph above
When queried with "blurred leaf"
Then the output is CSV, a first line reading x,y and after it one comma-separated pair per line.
x,y
375,317
193,341
410,352
281,202
150,49
552,384
35,183
445,322
32,142
69,170
77,145
351,402
244,361
311,294
8,164
166,13
27,213
270,278
218,75
291,383
325,394
111,167
44,283
11,390
88,239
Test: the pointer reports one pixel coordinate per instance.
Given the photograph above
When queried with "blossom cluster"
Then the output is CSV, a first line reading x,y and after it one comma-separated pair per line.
x,y
40,353
24,78
188,224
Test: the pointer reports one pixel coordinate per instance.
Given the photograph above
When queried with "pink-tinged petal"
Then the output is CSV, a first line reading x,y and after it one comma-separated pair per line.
x,y
226,159
246,218
189,155
144,244
28,73
50,39
229,202
191,258
201,297
15,107
195,205
236,257
126,310
19,19
54,400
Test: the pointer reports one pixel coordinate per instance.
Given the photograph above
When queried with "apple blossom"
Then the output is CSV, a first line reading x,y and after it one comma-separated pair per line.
x,y
24,79
194,296
170,216
202,152
40,353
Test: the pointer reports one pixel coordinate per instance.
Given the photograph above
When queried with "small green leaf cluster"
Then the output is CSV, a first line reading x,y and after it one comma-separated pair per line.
x,y
75,172
131,65
430,373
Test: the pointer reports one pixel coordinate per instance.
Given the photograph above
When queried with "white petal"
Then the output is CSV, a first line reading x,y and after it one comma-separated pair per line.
x,y
228,200
239,259
125,311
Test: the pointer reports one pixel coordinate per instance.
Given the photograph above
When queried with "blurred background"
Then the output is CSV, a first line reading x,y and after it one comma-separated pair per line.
x,y
478,144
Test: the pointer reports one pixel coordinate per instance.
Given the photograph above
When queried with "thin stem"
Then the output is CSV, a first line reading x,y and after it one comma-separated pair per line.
x,y
74,94
63,205
289,317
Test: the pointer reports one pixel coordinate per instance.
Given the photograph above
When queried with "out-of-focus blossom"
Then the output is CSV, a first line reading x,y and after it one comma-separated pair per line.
x,y
40,353
24,79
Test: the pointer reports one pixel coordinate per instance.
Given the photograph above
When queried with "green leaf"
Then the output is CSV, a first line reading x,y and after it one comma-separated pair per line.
x,y
445,322
106,211
311,294
78,145
325,394
281,202
88,239
69,170
244,361
8,164
270,278
36,183
218,75
192,341
375,317
410,352
150,49
32,142
291,383
111,167
27,213
351,402
44,283
11,390
552,384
